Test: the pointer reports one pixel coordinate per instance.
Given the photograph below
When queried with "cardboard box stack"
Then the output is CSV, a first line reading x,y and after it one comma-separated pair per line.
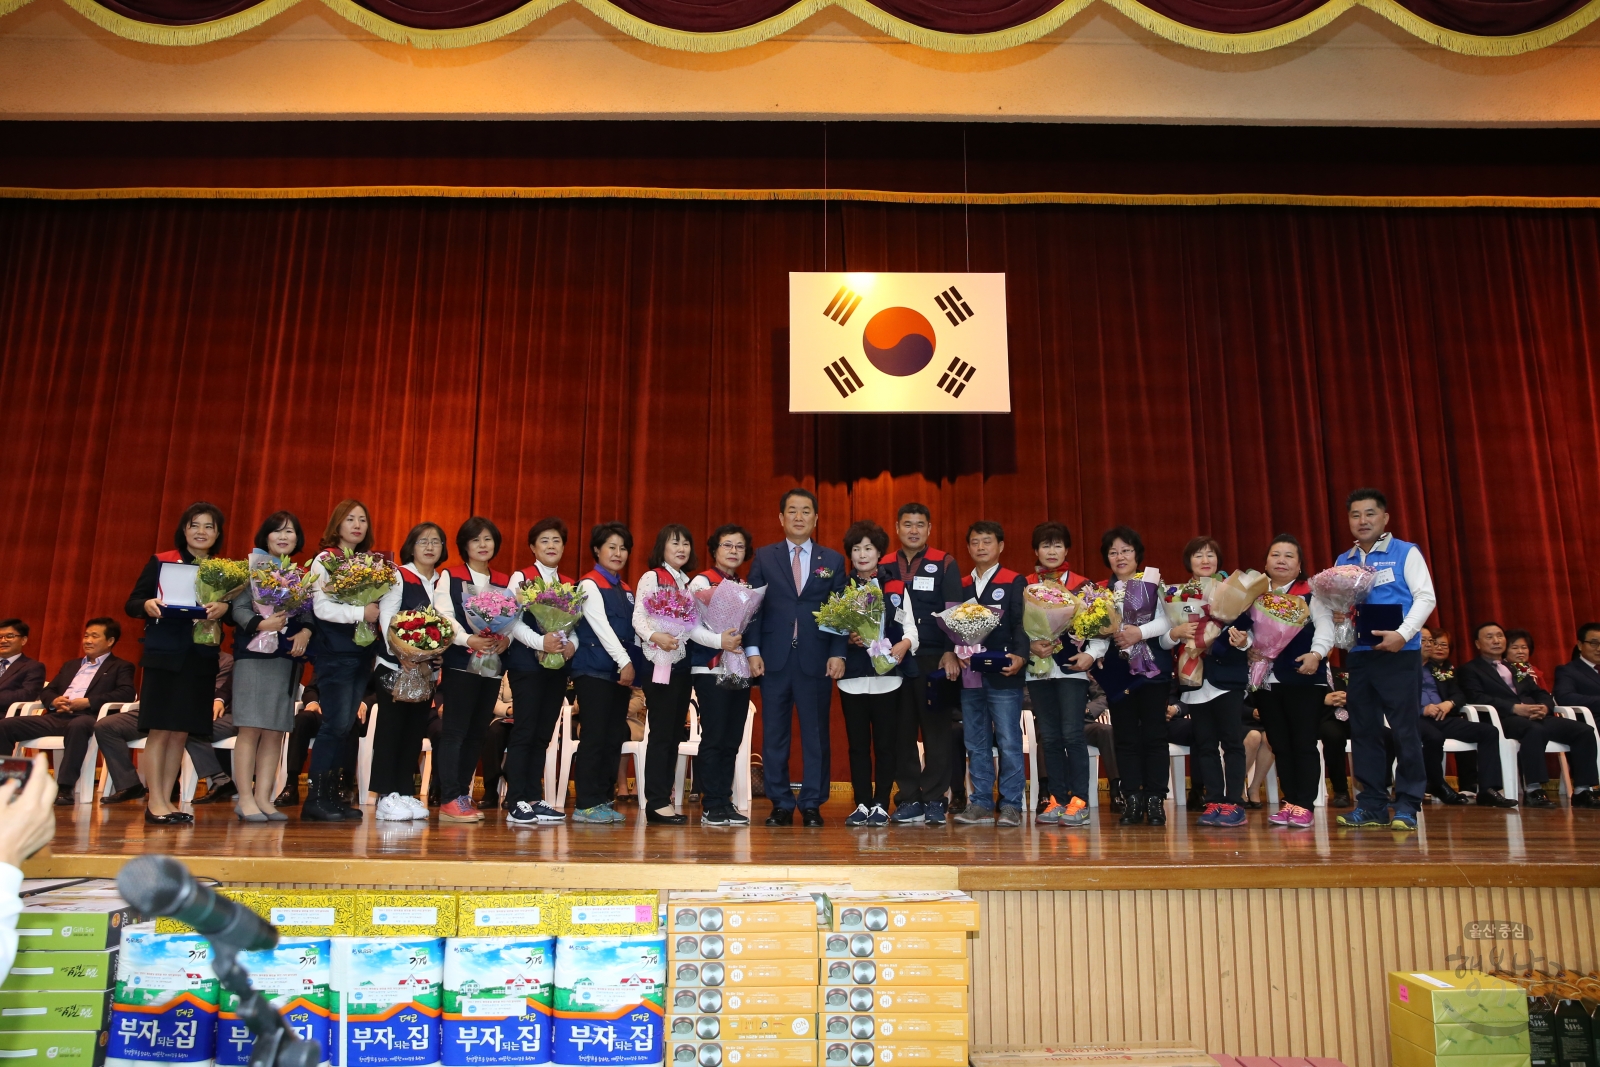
x,y
1442,1019
1563,1016
55,1004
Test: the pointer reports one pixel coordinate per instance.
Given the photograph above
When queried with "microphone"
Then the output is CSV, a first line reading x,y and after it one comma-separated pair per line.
x,y
160,885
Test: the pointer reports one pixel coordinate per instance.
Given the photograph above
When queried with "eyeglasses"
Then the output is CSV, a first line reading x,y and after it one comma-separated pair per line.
x,y
433,542
1590,643
7,638
732,544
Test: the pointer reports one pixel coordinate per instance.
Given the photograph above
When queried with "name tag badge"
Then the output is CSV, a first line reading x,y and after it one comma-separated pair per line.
x,y
920,584
997,594
1385,576
931,568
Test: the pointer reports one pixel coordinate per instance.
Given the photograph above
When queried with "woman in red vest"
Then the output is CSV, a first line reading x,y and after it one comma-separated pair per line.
x,y
722,710
672,560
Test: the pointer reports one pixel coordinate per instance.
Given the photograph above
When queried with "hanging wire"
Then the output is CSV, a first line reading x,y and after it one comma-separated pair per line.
x,y
966,222
824,196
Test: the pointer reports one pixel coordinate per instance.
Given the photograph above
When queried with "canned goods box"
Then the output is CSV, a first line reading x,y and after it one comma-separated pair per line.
x,y
742,1000
713,913
776,946
743,1027
82,1048
895,972
905,912
940,1000
69,969
742,1053
861,945
867,1053
898,1025
684,973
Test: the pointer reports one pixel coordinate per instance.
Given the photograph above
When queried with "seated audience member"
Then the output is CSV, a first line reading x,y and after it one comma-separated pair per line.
x,y
1443,719
115,732
495,739
1180,731
1519,657
1335,735
21,678
73,700
1527,716
307,724
1578,681
1257,756
1439,661
1097,735
27,823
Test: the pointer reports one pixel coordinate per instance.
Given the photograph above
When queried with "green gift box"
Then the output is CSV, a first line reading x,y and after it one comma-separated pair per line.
x,y
1460,1039
60,921
1444,997
63,970
77,1009
81,1048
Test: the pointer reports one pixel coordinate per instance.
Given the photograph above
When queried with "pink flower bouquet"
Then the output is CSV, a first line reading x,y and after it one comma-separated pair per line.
x,y
1342,588
730,605
670,611
494,612
1276,618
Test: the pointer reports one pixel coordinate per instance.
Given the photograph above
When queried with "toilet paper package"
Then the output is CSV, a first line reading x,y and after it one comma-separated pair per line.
x,y
295,976
610,997
386,1000
164,1005
498,997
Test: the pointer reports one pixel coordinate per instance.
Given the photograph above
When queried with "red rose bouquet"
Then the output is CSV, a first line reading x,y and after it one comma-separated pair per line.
x,y
417,638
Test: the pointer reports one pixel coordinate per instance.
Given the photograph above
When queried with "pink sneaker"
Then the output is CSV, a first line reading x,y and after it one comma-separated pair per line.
x,y
1281,816
1302,818
461,809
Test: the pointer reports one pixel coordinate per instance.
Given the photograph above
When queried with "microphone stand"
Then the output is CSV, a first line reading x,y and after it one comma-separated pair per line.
x,y
276,1045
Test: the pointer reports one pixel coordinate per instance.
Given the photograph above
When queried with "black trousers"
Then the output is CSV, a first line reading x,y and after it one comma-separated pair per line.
x,y
870,726
1459,728
1139,723
1387,685
308,724
397,746
1292,716
1534,735
467,705
667,708
1219,722
722,715
76,727
928,707
536,698
603,723
491,759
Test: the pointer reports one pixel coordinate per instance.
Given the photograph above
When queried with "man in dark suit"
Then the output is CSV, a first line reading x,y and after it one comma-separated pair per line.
x,y
21,678
1527,715
796,662
1578,682
73,700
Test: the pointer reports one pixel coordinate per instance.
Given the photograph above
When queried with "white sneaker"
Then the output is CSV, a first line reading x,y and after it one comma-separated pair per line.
x,y
392,808
417,808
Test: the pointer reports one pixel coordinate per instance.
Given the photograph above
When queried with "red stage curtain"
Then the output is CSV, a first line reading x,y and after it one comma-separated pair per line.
x,y
1229,371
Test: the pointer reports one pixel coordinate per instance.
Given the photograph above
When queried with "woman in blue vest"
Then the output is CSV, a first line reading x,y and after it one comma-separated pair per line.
x,y
603,672
1138,704
466,697
871,701
342,666
179,675
401,724
264,682
672,560
722,710
1216,705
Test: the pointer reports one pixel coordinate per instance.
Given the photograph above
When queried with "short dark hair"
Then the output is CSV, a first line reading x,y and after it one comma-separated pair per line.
x,y
1520,635
545,525
865,530
408,548
22,627
783,501
472,529
913,508
341,511
1046,532
603,532
1367,493
658,554
111,627
1288,539
986,526
277,521
1196,544
715,540
1477,631
1584,629
190,513
1441,634
1128,536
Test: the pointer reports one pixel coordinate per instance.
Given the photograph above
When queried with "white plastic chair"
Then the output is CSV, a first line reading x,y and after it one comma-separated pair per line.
x,y
188,780
1177,781
83,790
686,750
15,707
1581,714
637,749
741,761
1508,747
1094,776
569,747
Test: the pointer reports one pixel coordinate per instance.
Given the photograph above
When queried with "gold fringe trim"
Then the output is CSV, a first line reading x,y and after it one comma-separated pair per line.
x,y
934,40
887,196
200,33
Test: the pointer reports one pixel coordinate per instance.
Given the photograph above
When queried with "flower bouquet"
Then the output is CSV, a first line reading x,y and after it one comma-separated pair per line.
x,y
968,624
1098,614
858,609
730,605
1140,598
1276,619
671,611
1342,588
556,607
358,579
491,612
278,585
1188,603
417,638
218,580
1047,611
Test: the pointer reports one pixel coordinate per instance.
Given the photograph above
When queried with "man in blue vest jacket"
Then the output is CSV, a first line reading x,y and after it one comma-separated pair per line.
x,y
796,662
1386,678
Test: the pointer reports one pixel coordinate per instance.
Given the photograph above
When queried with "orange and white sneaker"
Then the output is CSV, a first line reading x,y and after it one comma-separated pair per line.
x,y
1076,813
461,809
1051,814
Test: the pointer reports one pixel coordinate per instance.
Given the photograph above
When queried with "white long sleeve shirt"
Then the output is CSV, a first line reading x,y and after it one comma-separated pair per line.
x,y
594,613
1418,579
325,607
886,683
446,607
389,607
522,632
700,635
1152,630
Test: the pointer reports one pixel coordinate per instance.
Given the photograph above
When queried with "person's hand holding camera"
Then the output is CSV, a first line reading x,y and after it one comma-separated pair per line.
x,y
27,814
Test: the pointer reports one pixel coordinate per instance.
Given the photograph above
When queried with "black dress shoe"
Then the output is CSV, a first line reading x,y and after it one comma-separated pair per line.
x,y
1493,798
1339,800
1253,805
1586,798
176,818
220,793
289,796
655,818
490,801
1537,798
1132,810
65,799
133,792
1447,795
781,817
810,817
957,805
1155,811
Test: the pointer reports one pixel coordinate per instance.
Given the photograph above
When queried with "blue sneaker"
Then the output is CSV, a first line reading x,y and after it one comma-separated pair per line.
x,y
912,812
932,812
860,817
878,816
1209,816
1402,821
1231,815
600,813
1361,818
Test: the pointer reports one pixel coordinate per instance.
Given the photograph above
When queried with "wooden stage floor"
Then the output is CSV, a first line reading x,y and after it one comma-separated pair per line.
x,y
1454,847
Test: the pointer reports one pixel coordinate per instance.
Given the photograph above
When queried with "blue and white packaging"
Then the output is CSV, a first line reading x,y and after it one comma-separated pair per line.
x,y
164,1009
296,976
498,995
386,1001
610,994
